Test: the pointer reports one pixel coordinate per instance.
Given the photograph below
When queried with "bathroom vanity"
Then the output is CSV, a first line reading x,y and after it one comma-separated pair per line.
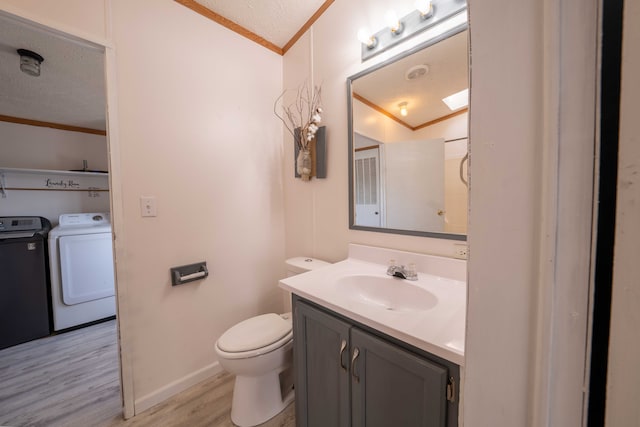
x,y
374,350
349,374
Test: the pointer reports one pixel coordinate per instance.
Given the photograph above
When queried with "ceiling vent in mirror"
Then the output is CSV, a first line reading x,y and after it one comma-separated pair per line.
x,y
416,72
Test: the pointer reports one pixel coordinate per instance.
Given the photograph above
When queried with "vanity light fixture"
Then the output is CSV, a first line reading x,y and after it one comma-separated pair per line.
x,y
403,109
30,62
457,100
427,14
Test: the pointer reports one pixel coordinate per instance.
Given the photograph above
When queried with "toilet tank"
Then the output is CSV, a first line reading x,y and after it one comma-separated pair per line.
x,y
298,265
303,264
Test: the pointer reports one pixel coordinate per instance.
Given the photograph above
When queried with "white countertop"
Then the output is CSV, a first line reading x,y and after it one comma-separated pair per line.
x,y
439,330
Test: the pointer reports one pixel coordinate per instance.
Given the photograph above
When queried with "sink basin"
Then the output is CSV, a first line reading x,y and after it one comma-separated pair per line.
x,y
387,293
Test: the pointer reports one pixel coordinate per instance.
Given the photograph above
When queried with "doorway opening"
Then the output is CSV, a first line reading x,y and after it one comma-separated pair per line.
x,y
55,162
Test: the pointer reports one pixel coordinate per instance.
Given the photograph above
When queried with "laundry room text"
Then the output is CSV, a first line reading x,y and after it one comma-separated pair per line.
x,y
61,183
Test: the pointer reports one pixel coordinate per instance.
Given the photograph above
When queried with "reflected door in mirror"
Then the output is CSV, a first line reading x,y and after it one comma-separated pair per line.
x,y
367,191
414,184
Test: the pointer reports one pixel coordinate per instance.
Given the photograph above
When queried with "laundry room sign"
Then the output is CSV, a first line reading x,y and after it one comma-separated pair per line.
x,y
62,183
38,179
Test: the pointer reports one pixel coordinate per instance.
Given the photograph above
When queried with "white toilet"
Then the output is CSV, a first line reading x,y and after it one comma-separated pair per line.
x,y
259,352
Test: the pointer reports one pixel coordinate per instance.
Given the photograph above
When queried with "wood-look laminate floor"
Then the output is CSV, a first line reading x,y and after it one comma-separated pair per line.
x,y
72,379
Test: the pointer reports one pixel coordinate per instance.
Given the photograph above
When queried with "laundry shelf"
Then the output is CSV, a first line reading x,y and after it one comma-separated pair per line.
x,y
51,180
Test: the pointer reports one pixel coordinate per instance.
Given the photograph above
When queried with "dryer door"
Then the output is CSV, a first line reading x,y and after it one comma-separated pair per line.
x,y
86,266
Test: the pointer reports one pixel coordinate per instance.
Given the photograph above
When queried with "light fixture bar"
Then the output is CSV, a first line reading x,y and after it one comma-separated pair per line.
x,y
413,24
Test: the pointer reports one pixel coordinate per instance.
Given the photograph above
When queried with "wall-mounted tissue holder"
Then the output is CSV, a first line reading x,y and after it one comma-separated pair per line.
x,y
188,273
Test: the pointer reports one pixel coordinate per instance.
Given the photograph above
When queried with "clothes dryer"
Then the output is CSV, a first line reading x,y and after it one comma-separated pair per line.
x,y
81,270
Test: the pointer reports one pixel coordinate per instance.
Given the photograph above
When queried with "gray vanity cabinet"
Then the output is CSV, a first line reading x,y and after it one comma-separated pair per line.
x,y
321,363
393,387
347,376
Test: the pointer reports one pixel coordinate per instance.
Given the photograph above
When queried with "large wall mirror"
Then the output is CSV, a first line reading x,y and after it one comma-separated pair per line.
x,y
408,140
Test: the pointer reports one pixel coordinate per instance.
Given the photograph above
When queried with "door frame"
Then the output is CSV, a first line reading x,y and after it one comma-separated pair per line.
x,y
569,198
608,249
115,179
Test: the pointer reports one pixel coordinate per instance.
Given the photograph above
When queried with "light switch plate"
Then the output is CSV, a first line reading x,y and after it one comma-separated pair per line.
x,y
148,206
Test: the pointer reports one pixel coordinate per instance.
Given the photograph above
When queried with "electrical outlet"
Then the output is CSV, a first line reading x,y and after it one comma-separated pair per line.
x,y
148,206
460,251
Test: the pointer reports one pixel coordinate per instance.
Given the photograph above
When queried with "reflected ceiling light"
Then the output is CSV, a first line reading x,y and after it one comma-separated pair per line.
x,y
427,14
366,38
425,8
457,100
403,109
416,72
391,18
30,62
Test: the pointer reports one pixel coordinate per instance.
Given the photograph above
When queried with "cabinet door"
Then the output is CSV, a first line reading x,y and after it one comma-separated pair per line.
x,y
321,361
393,387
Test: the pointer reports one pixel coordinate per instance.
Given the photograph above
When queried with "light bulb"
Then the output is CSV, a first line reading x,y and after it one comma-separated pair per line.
x,y
403,109
393,22
424,7
366,38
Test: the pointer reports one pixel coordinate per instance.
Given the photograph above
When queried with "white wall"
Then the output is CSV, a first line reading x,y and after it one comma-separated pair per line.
x,y
373,124
34,147
83,18
624,348
506,85
196,130
454,128
51,204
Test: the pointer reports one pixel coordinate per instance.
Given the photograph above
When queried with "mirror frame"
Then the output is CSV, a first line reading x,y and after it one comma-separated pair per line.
x,y
350,80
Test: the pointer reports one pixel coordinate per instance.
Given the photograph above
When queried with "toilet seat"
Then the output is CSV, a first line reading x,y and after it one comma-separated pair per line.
x,y
255,336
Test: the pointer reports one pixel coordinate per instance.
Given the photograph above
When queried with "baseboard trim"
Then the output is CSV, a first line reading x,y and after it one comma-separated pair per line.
x,y
175,387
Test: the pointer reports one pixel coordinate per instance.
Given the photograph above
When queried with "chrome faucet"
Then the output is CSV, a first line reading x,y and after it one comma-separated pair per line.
x,y
408,273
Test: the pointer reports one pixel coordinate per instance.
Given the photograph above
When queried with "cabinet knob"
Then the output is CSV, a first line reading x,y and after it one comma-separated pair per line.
x,y
343,346
356,353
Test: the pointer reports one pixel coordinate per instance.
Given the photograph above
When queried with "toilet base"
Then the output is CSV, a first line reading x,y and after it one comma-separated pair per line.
x,y
258,399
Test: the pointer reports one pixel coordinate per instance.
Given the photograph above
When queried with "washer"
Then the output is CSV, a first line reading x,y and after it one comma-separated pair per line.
x,y
81,270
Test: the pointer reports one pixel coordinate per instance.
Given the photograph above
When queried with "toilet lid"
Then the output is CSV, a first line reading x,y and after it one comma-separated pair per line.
x,y
254,333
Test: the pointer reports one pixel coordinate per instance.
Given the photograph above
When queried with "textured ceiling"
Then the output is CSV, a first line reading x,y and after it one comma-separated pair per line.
x,y
276,21
70,89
